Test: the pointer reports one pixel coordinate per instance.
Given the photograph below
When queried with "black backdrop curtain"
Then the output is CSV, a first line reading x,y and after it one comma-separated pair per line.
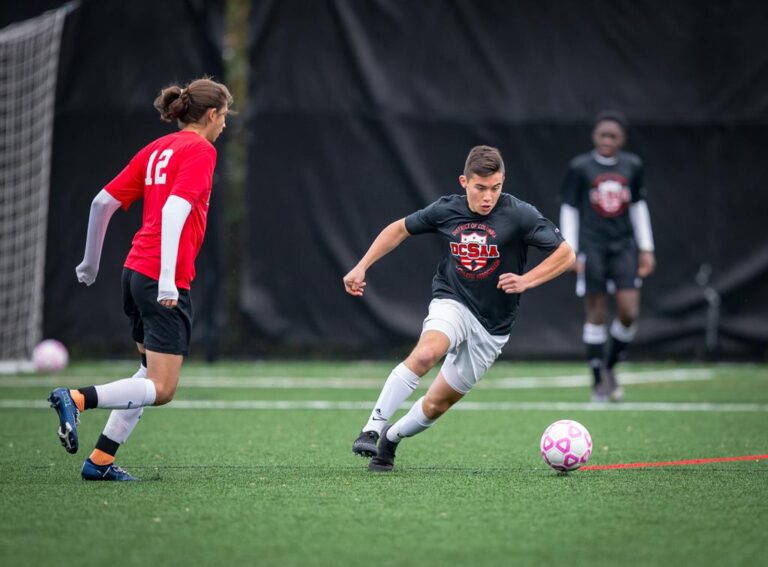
x,y
362,112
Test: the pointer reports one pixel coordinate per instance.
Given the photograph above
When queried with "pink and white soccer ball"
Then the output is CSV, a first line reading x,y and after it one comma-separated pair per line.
x,y
566,445
50,356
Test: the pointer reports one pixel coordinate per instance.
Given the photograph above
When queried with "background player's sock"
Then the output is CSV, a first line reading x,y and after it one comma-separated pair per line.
x,y
411,423
621,336
595,337
398,387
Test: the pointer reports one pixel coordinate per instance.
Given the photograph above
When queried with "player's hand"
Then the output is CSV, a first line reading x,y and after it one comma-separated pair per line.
x,y
86,273
646,263
354,282
512,283
167,294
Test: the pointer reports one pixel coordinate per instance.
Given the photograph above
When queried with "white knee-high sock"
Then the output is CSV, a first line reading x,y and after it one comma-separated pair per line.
x,y
121,423
411,423
399,386
126,394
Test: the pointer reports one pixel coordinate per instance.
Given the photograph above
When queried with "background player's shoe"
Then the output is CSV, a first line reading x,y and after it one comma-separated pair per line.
x,y
92,471
384,461
365,444
69,418
615,391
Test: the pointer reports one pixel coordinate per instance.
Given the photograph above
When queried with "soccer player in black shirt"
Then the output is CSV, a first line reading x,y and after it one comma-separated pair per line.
x,y
604,217
476,292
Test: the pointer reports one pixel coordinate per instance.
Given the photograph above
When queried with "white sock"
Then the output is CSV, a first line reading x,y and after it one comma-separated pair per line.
x,y
127,393
411,423
121,423
398,387
141,372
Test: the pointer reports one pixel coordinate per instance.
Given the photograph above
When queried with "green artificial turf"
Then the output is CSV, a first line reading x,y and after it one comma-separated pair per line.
x,y
281,487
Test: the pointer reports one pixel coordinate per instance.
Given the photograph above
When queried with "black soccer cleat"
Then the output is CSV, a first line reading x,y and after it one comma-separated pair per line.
x,y
365,444
384,461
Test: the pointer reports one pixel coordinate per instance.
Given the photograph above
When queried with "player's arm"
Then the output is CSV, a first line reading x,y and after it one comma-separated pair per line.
x,y
552,266
175,213
387,240
641,225
103,207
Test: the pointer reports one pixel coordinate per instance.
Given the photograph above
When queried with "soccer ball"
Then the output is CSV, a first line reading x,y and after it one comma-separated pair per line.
x,y
566,445
50,356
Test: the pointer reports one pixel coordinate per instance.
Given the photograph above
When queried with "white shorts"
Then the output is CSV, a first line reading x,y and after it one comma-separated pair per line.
x,y
473,349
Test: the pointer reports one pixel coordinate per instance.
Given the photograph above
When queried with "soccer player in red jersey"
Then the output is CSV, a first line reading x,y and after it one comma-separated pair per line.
x,y
174,176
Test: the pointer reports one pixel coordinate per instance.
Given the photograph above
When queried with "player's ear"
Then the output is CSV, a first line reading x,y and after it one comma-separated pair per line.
x,y
463,180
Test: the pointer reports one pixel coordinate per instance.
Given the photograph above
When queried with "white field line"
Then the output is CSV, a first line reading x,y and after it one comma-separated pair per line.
x,y
332,383
465,406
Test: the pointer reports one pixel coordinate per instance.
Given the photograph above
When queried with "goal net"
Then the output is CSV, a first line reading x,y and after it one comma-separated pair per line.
x,y
29,56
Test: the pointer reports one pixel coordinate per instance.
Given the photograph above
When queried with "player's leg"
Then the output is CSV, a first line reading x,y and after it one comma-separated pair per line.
x,y
119,427
594,333
400,384
595,336
623,269
133,393
442,329
464,366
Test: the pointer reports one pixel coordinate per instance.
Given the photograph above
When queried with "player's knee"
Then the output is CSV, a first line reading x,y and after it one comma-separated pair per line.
x,y
163,394
425,357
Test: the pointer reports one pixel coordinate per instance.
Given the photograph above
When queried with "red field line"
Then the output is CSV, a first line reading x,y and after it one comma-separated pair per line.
x,y
673,463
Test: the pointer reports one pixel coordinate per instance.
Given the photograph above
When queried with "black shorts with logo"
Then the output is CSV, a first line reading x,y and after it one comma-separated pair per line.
x,y
611,266
159,328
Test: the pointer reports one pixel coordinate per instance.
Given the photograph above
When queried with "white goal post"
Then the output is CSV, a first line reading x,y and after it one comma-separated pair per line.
x,y
29,57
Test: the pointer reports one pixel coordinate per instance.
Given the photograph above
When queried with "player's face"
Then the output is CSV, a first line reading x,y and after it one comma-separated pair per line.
x,y
482,192
216,123
608,138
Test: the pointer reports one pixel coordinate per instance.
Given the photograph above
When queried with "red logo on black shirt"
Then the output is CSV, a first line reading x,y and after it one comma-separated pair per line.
x,y
610,195
473,252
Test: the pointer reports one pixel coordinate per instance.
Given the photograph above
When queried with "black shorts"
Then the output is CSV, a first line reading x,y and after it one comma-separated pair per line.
x,y
158,328
611,267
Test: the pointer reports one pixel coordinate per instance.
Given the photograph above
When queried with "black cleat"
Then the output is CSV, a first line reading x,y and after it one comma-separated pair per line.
x,y
365,444
384,461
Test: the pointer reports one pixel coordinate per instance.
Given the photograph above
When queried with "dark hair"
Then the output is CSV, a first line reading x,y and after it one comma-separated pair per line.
x,y
611,116
483,161
189,104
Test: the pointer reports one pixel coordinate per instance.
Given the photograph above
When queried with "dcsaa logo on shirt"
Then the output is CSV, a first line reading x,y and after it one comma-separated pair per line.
x,y
610,195
473,251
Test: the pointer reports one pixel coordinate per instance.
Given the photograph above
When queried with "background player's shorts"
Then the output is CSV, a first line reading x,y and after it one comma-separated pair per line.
x,y
611,267
159,328
473,349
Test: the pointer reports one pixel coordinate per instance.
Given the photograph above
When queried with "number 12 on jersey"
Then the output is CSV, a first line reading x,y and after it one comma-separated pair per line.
x,y
162,163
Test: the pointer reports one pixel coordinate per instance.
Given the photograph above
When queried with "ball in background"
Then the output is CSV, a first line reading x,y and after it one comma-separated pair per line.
x,y
50,355
566,445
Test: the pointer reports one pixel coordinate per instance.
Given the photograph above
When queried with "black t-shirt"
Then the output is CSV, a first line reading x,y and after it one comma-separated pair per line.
x,y
480,248
602,194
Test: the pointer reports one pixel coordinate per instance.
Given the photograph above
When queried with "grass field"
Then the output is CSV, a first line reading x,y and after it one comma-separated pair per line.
x,y
231,476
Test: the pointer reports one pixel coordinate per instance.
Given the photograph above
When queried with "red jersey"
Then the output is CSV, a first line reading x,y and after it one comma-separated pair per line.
x,y
179,164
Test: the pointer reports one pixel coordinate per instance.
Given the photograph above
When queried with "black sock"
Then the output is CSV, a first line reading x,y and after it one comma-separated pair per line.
x,y
616,352
595,355
91,397
144,359
107,445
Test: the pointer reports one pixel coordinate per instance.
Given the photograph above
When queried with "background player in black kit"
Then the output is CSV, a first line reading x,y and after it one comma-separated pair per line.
x,y
475,292
604,217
